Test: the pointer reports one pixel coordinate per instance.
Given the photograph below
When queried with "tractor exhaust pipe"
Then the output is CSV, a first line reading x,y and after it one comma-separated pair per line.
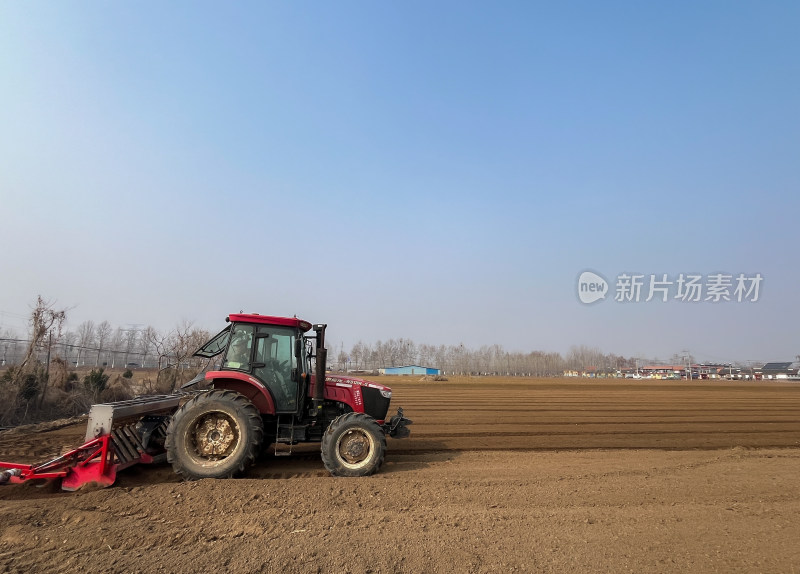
x,y
322,365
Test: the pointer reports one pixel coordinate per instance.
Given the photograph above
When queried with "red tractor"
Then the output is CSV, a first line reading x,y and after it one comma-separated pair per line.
x,y
263,392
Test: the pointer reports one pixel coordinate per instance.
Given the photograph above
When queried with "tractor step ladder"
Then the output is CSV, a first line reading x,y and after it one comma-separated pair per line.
x,y
285,450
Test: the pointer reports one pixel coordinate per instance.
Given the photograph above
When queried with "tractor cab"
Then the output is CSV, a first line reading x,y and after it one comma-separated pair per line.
x,y
273,350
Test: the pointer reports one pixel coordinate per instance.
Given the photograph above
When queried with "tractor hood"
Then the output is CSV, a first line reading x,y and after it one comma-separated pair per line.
x,y
360,395
344,381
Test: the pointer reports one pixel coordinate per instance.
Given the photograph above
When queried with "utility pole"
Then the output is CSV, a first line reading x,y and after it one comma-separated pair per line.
x,y
686,357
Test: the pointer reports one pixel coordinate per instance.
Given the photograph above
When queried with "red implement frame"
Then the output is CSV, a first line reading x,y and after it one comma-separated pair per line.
x,y
90,462
111,445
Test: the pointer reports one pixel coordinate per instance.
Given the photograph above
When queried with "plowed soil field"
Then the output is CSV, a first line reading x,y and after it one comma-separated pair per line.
x,y
499,475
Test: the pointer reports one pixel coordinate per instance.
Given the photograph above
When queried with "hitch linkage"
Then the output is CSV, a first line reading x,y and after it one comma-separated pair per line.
x,y
397,425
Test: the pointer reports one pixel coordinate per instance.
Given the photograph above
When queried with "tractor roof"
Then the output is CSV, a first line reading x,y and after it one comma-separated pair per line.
x,y
267,320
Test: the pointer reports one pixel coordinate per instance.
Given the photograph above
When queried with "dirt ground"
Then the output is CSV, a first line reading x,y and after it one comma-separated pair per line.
x,y
500,475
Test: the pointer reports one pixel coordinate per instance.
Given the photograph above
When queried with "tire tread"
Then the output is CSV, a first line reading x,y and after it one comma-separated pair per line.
x,y
251,419
329,458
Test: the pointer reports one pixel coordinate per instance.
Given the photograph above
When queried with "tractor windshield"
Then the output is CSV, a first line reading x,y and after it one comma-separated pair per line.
x,y
216,345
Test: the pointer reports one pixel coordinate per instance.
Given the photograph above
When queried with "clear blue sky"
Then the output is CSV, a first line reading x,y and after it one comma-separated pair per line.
x,y
440,171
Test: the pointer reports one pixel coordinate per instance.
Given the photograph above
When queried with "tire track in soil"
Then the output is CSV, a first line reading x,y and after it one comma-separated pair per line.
x,y
469,414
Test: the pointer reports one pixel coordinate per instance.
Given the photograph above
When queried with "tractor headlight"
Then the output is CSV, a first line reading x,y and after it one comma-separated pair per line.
x,y
386,394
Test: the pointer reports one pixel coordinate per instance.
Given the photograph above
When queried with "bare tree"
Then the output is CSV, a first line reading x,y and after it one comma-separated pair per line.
x,y
104,331
86,333
427,355
131,336
408,352
70,338
45,322
357,355
146,343
380,354
117,345
342,359
174,350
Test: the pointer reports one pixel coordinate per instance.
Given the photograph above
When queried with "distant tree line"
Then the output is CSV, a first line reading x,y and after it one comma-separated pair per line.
x,y
486,360
103,345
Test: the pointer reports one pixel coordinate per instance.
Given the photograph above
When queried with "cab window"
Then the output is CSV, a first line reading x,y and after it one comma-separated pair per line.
x,y
216,345
240,348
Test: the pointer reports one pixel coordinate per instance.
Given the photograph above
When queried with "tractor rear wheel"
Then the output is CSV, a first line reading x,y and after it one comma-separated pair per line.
x,y
215,434
353,445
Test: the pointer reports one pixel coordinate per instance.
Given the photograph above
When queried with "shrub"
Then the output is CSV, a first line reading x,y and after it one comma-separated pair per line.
x,y
72,380
128,374
117,390
95,382
9,376
29,387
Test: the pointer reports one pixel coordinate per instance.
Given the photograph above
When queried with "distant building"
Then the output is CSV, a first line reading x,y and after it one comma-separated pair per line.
x,y
663,371
410,370
782,370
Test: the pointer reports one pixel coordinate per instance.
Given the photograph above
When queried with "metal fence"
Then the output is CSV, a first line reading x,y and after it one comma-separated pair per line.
x,y
12,352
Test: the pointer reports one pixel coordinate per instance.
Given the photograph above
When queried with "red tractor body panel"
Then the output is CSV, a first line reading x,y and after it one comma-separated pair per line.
x,y
246,385
338,388
347,390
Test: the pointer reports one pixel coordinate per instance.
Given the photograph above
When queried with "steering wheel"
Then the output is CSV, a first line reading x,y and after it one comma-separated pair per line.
x,y
277,370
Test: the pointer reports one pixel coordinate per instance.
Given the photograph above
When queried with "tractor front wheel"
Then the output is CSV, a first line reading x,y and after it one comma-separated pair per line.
x,y
215,434
353,445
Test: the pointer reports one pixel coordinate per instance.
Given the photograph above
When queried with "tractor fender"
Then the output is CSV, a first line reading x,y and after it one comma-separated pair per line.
x,y
246,385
